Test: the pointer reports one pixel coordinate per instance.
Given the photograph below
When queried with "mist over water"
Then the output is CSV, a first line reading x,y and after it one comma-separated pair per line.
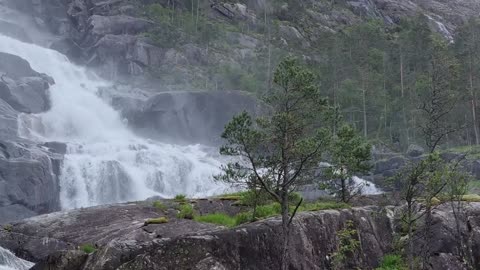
x,y
105,161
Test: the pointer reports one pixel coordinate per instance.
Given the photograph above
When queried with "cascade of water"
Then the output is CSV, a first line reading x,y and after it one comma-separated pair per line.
x,y
8,261
105,161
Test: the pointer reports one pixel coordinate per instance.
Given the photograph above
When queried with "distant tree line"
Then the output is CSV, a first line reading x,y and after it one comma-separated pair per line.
x,y
377,74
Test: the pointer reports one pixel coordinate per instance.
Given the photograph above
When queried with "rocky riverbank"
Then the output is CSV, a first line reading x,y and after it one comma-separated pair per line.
x,y
122,240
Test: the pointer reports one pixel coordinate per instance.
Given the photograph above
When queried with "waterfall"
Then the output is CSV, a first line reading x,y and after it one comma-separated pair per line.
x,y
357,184
105,161
8,261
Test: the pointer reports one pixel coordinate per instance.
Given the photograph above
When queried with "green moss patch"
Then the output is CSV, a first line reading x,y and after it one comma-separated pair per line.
x,y
160,220
88,248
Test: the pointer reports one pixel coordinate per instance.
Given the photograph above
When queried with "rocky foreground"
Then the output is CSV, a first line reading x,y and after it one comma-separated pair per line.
x,y
123,241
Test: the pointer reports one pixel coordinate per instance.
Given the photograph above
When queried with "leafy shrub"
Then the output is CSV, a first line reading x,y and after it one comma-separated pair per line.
x,y
186,211
159,205
88,248
159,220
392,262
348,244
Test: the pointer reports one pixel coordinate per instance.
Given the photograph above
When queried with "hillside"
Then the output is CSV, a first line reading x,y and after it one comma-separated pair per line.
x,y
369,54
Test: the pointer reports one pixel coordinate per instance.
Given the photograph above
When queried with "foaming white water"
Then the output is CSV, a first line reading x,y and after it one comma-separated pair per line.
x,y
359,185
8,261
365,187
105,161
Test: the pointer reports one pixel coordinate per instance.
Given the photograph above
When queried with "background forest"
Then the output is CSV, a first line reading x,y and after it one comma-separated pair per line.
x,y
374,71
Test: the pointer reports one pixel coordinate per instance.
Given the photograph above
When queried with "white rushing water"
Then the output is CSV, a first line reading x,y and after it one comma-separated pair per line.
x,y
105,161
359,185
8,261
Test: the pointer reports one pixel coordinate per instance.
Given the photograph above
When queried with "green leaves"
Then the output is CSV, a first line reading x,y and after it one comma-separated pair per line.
x,y
349,155
281,148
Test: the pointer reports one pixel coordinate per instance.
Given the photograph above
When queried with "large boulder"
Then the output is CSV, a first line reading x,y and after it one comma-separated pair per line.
x,y
15,67
444,236
415,150
28,172
28,180
390,164
24,89
197,117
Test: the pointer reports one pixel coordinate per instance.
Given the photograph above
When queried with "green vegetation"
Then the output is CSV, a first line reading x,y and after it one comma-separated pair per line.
x,y
372,71
265,211
350,155
471,198
323,205
186,211
348,245
392,262
218,218
180,198
159,220
290,128
474,187
8,227
159,205
88,248
470,152
235,196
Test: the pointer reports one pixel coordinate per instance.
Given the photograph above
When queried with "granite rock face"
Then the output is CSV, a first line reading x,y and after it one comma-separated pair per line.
x,y
110,35
190,116
124,241
28,171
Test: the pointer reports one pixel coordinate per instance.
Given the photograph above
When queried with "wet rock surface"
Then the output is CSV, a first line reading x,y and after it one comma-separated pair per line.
x,y
28,172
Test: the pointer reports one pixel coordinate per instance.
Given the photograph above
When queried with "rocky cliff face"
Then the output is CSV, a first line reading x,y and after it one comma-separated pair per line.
x,y
122,41
28,171
123,241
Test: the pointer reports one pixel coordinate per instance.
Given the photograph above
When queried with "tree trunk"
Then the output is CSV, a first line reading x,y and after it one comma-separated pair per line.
x,y
410,247
285,229
474,105
385,93
402,87
410,236
427,237
344,190
364,94
196,19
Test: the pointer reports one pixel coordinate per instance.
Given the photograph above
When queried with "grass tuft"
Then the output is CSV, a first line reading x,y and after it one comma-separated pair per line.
x,y
392,262
88,248
186,211
159,205
263,211
218,218
181,198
